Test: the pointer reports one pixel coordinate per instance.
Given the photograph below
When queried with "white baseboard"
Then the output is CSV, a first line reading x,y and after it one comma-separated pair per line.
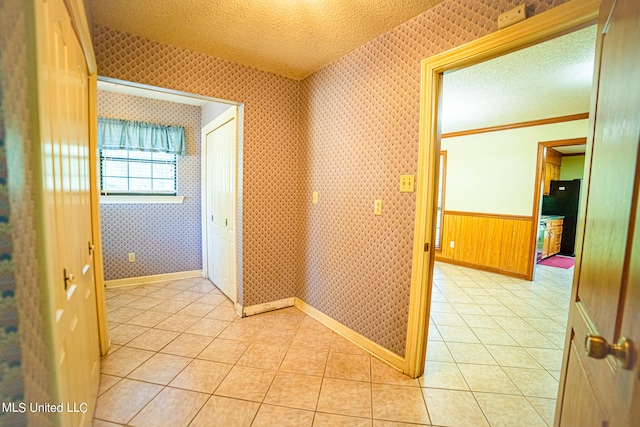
x,y
361,341
131,281
238,308
268,306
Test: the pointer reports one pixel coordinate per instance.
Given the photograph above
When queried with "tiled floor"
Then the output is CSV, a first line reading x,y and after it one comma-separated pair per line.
x,y
181,356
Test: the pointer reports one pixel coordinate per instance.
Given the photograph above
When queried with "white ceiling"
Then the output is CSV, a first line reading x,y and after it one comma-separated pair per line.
x,y
572,149
292,38
550,79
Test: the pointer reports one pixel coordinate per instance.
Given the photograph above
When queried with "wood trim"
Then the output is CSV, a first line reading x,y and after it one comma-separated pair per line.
x,y
537,192
559,20
267,306
140,280
573,154
518,125
490,215
480,267
361,341
80,24
443,153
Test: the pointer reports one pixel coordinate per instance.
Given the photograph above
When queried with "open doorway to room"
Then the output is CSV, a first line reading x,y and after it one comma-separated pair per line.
x,y
153,203
489,329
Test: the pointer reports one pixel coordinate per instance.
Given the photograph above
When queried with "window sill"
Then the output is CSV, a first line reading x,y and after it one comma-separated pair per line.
x,y
135,200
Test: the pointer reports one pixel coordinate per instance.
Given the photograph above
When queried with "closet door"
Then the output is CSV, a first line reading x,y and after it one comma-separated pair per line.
x,y
65,212
220,138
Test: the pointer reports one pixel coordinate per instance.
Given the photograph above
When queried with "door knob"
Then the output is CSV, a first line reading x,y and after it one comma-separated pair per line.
x,y
598,348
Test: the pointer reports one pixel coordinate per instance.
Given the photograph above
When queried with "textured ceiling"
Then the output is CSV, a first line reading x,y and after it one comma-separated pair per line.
x,y
292,38
550,79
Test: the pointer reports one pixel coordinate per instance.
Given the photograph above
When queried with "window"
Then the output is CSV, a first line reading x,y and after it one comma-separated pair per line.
x,y
441,182
130,172
138,158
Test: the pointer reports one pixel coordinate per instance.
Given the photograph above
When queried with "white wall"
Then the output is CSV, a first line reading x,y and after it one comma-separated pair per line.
x,y
495,172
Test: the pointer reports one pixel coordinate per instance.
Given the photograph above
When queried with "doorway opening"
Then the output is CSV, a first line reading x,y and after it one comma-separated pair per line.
x,y
149,238
559,21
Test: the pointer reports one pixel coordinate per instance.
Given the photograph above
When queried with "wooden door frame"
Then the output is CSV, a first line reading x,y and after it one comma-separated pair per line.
x,y
540,162
560,20
221,120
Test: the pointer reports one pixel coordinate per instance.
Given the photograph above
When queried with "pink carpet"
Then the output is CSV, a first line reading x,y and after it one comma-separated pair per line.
x,y
558,261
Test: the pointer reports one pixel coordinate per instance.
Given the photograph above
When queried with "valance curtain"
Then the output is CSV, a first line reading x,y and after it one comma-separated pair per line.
x,y
117,134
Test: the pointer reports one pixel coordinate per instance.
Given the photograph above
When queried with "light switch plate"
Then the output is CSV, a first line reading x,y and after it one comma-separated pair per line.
x,y
377,207
315,197
406,183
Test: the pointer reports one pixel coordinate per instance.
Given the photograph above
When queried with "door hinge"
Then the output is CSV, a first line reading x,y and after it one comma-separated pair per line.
x,y
226,222
426,247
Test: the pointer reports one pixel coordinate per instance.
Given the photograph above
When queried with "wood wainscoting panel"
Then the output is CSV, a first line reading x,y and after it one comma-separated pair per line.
x,y
499,243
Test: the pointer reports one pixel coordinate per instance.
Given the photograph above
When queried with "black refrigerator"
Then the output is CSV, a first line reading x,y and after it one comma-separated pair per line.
x,y
564,199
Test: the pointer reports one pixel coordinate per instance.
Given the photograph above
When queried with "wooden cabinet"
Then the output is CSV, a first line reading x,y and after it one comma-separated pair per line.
x,y
552,238
552,166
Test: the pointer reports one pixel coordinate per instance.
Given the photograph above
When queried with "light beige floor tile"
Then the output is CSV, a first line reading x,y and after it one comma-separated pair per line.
x,y
122,402
214,300
342,345
399,403
531,339
345,398
100,423
438,352
145,303
443,375
124,333
165,292
171,407
149,318
470,353
549,359
534,382
385,423
263,355
122,314
348,367
467,308
225,412
305,360
480,321
485,300
171,306
516,357
443,307
488,379
384,374
202,287
556,337
545,325
555,374
106,382
450,319
177,323
203,376
196,309
493,336
239,332
208,327
246,383
498,310
546,408
319,340
124,360
187,296
508,411
453,408
124,298
160,369
225,351
222,313
153,339
434,333
187,345
457,334
179,285
509,323
271,416
332,420
294,391
272,335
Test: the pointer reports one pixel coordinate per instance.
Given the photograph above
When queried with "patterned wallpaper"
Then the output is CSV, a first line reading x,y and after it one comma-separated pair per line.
x,y
211,110
348,132
23,355
271,199
166,238
360,129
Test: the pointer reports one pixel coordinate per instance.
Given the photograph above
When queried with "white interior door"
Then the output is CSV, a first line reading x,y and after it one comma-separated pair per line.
x,y
63,116
220,142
